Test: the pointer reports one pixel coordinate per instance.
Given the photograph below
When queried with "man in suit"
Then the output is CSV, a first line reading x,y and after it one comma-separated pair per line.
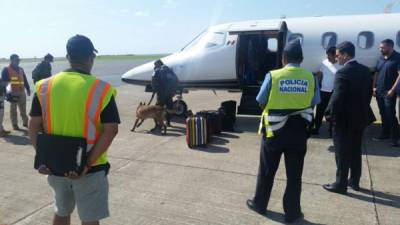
x,y
349,109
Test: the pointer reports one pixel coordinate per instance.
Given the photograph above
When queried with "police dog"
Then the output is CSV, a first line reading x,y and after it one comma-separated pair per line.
x,y
155,112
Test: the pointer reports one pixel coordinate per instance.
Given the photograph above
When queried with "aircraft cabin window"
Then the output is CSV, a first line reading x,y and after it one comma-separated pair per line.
x,y
272,44
194,42
398,39
296,36
365,39
215,39
329,39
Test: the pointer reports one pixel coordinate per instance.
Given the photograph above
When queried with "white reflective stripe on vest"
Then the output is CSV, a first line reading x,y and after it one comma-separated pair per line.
x,y
95,103
281,120
43,100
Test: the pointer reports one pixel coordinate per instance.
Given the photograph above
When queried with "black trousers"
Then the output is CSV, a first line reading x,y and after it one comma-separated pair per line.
x,y
347,144
165,101
387,110
269,162
321,107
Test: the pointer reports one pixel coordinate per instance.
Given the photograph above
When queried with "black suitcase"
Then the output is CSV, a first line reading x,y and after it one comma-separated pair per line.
x,y
228,112
214,121
230,109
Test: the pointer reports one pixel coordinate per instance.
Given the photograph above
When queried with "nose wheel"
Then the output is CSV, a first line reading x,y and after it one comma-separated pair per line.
x,y
180,107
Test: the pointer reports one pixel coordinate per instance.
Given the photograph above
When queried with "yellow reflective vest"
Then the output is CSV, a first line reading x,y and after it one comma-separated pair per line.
x,y
16,79
71,105
291,94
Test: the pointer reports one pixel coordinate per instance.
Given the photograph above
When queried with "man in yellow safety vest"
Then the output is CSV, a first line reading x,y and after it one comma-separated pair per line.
x,y
16,80
75,103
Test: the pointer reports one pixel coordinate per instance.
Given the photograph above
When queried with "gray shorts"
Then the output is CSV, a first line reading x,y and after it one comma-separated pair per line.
x,y
89,193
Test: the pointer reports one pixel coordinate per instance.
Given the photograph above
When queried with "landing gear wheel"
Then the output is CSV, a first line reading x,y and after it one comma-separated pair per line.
x,y
180,107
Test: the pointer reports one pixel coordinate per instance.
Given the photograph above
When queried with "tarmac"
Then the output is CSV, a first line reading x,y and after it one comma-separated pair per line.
x,y
158,180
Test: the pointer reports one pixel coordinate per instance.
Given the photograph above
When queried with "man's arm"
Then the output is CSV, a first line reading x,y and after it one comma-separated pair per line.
x,y
27,87
110,119
317,94
336,103
319,76
35,126
36,121
263,95
104,142
4,78
392,90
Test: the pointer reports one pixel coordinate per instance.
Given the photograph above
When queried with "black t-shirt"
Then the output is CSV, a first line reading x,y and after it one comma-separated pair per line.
x,y
108,115
387,72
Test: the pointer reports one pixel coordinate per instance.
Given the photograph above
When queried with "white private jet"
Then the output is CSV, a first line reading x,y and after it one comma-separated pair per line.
x,y
238,55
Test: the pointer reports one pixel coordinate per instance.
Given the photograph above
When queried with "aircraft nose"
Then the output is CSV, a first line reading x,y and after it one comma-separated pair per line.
x,y
140,74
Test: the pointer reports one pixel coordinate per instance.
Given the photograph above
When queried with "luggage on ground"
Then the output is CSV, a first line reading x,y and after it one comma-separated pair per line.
x,y
228,112
196,131
213,120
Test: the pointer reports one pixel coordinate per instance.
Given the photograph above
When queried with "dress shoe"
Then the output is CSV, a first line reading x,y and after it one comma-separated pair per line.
x,y
355,187
296,219
16,127
252,205
333,188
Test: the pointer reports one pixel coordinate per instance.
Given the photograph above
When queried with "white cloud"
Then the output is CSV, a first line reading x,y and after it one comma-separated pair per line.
x,y
170,4
160,23
142,13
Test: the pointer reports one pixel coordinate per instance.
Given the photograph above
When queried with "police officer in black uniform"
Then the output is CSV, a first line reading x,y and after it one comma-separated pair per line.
x,y
43,69
289,140
164,84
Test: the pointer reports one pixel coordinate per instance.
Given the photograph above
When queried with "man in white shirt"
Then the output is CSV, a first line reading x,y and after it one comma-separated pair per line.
x,y
326,75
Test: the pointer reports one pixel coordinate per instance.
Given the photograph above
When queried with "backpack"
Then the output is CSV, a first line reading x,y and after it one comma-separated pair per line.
x,y
165,80
36,72
171,82
155,81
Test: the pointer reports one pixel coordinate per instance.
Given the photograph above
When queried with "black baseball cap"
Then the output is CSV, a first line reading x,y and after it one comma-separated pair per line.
x,y
80,46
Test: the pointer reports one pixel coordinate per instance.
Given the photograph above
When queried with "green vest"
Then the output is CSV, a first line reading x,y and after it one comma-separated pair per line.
x,y
71,105
291,94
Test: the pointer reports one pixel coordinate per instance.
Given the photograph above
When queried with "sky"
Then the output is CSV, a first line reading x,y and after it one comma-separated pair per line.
x,y
32,28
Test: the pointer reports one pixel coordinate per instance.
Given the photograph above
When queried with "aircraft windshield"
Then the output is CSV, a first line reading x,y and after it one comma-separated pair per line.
x,y
207,39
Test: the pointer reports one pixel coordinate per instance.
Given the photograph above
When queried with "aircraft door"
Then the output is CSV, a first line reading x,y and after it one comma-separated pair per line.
x,y
258,52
